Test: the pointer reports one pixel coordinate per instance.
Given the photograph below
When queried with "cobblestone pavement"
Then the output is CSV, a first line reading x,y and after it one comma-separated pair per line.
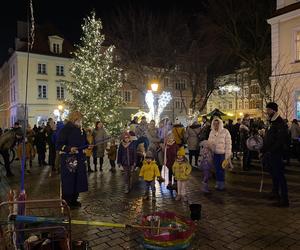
x,y
239,218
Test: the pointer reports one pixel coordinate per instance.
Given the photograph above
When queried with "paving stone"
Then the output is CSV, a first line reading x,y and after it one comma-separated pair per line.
x,y
239,218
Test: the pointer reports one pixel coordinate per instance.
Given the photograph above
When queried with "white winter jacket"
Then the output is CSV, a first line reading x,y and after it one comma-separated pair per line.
x,y
221,139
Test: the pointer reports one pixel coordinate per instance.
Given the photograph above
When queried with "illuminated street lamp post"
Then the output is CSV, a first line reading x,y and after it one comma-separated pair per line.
x,y
157,102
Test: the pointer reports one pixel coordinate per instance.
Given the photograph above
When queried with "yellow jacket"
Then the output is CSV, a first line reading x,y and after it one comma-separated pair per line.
x,y
178,132
149,171
181,170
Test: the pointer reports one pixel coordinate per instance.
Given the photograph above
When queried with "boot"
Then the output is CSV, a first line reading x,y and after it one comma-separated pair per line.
x,y
153,196
178,197
205,187
126,190
146,196
221,186
95,168
101,168
160,179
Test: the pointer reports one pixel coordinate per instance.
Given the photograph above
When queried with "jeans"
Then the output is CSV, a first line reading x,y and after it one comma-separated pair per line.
x,y
220,173
194,153
127,176
149,184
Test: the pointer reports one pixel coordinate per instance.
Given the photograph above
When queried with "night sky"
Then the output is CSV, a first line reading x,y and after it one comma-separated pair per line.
x,y
67,16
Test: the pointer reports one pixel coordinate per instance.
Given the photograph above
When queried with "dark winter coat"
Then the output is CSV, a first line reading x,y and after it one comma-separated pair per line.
x,y
127,154
72,181
276,136
235,136
40,141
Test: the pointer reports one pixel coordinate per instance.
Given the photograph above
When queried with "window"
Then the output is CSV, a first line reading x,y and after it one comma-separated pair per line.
x,y
56,48
252,104
246,104
42,90
42,68
60,70
258,104
12,71
254,89
179,103
297,45
230,105
246,91
166,82
180,84
241,105
13,93
60,92
127,96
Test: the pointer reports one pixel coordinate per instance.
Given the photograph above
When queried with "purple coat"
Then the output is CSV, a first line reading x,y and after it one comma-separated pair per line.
x,y
72,181
127,154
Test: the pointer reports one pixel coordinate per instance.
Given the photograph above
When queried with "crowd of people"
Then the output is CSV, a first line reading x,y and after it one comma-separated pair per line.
x,y
152,149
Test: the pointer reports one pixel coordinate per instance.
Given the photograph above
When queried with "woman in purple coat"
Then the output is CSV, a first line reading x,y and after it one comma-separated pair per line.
x,y
71,142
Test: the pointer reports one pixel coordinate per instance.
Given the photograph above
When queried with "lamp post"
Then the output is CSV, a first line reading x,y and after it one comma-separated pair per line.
x,y
157,102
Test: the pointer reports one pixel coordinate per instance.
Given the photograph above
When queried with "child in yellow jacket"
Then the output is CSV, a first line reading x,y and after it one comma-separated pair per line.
x,y
181,170
149,172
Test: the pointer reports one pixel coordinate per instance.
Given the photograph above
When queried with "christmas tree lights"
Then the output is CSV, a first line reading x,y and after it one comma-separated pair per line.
x,y
95,90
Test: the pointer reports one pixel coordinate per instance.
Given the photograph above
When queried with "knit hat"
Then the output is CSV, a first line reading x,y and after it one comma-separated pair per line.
x,y
149,155
181,152
273,106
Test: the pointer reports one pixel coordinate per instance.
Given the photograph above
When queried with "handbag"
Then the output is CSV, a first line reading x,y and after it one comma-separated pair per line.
x,y
72,163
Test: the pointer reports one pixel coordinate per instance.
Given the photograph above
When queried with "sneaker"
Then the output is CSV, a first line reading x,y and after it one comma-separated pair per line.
x,y
178,198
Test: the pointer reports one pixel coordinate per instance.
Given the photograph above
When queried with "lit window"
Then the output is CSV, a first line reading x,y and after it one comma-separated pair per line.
x,y
42,90
42,68
230,105
60,70
246,91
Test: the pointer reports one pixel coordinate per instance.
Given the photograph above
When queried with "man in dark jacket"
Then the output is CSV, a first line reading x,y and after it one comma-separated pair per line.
x,y
274,145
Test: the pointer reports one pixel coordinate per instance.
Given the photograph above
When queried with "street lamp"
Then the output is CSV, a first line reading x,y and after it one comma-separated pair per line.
x,y
156,102
154,86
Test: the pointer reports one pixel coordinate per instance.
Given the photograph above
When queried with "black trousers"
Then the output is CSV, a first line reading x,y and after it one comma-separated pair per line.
x,y
194,153
5,155
112,163
52,154
100,162
276,166
41,157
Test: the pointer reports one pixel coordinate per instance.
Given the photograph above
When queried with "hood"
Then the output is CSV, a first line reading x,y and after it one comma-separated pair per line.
x,y
178,126
195,126
221,125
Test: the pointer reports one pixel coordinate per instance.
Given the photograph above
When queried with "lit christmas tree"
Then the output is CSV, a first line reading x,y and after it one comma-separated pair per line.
x,y
95,90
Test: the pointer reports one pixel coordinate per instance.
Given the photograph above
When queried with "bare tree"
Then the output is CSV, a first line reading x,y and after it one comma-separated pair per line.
x,y
282,89
245,33
147,43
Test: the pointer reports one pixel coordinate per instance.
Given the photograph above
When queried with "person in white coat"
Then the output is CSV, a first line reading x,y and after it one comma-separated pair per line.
x,y
220,140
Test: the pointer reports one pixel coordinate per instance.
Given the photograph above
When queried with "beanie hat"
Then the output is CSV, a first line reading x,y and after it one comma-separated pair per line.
x,y
181,152
273,106
149,155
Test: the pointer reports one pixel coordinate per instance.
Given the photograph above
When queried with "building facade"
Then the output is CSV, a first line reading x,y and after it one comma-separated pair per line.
x,y
236,94
48,66
285,79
